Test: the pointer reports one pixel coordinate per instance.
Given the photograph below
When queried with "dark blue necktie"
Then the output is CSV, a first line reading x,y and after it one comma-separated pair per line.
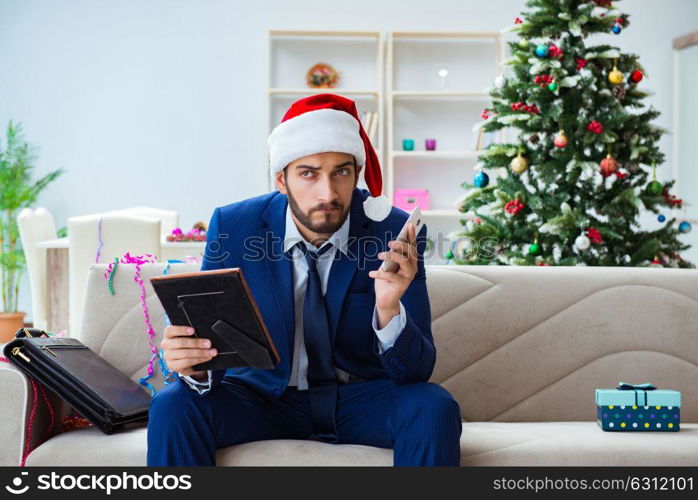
x,y
322,379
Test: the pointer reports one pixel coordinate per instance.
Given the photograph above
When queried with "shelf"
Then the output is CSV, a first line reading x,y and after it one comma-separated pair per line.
x,y
437,155
340,91
440,94
330,34
442,212
446,34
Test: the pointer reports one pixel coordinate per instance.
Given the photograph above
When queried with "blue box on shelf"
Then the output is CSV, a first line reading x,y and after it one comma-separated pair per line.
x,y
640,407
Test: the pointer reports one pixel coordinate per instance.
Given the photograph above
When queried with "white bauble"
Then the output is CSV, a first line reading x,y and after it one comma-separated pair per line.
x,y
463,246
500,82
557,252
582,242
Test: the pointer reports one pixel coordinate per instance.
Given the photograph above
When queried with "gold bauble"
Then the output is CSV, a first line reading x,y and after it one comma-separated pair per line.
x,y
615,76
519,164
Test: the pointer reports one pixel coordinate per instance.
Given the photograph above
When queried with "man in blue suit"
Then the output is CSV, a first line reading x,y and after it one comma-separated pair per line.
x,y
355,342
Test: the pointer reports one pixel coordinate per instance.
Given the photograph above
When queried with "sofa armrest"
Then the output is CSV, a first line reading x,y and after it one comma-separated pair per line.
x,y
15,411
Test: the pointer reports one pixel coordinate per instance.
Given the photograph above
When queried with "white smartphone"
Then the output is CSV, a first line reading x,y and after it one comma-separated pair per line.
x,y
418,221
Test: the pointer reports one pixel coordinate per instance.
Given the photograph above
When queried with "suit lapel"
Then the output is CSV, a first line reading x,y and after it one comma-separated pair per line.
x,y
278,270
344,266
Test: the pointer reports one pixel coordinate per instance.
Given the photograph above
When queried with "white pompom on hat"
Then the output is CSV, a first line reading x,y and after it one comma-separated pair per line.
x,y
324,123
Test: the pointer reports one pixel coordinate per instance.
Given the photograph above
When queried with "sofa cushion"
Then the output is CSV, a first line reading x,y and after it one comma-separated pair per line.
x,y
482,443
574,443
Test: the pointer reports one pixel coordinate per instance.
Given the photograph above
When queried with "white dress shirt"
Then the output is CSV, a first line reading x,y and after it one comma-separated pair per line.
x,y
299,369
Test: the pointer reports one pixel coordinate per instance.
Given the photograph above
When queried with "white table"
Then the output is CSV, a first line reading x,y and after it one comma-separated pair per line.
x,y
57,268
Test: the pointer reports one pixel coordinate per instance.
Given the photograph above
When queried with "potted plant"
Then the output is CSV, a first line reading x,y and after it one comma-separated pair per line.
x,y
17,191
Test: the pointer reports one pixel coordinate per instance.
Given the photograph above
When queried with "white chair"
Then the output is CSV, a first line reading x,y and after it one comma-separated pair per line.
x,y
169,219
36,225
120,233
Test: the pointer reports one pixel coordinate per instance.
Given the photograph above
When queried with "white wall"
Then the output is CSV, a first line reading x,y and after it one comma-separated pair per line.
x,y
161,102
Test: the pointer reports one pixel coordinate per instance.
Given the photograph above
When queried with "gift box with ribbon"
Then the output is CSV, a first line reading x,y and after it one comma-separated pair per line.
x,y
640,407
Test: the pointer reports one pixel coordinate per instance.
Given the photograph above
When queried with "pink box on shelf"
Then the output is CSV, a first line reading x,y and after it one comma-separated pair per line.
x,y
406,199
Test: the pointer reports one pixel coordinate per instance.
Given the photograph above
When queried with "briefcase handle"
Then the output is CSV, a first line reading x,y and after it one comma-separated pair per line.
x,y
31,333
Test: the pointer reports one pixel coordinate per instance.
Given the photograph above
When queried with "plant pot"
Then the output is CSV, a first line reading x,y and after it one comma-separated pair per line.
x,y
9,324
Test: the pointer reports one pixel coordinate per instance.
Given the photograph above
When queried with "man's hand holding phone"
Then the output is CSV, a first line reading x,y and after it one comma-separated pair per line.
x,y
391,285
182,351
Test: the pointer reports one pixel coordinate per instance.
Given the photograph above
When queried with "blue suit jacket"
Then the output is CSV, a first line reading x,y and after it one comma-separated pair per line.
x,y
249,234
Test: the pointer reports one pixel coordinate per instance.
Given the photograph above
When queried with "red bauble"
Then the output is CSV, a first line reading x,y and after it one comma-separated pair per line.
x,y
516,106
554,51
595,127
560,140
594,235
543,79
636,76
513,207
608,166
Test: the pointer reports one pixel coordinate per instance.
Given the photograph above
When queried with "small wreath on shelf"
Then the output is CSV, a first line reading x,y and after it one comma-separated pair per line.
x,y
322,76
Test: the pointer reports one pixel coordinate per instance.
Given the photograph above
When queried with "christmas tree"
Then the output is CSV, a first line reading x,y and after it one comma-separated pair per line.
x,y
570,188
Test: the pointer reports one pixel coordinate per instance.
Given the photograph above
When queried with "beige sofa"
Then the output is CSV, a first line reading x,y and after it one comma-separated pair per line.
x,y
521,348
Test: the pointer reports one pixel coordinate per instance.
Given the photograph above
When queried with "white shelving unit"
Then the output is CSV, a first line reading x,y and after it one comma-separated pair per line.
x,y
418,102
423,104
356,55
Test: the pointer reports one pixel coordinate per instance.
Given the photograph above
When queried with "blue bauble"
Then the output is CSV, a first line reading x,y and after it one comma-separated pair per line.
x,y
542,50
684,227
661,218
481,180
616,29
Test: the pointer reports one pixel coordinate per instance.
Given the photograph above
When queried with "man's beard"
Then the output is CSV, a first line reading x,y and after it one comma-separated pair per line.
x,y
325,227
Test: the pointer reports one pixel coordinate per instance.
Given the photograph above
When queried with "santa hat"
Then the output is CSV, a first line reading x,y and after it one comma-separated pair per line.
x,y
328,123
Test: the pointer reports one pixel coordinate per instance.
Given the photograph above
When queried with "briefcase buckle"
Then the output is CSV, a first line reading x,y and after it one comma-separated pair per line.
x,y
17,352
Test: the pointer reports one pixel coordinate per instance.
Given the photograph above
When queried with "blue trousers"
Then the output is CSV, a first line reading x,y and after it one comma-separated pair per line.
x,y
420,421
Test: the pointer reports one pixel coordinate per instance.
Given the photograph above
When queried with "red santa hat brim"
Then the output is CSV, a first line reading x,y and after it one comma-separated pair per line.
x,y
299,137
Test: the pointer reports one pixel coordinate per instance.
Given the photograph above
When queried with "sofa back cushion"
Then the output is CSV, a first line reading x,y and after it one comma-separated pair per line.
x,y
533,343
513,343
